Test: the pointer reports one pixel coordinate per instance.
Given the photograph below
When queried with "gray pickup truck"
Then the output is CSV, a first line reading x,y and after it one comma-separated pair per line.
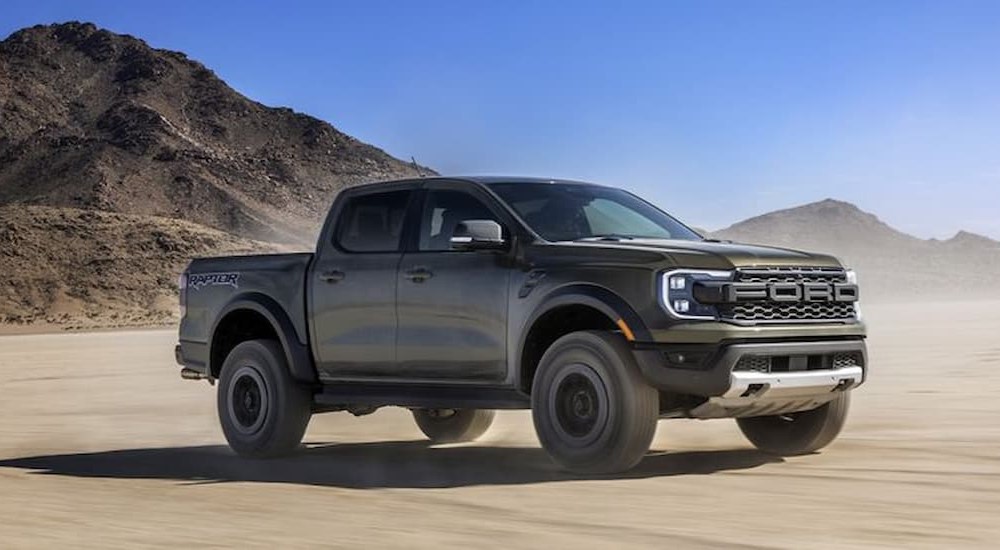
x,y
454,297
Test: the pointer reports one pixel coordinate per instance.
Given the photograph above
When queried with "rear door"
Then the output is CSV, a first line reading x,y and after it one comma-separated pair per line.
x,y
452,305
353,286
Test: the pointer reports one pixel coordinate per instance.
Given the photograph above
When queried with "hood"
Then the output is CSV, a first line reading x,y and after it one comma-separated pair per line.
x,y
714,254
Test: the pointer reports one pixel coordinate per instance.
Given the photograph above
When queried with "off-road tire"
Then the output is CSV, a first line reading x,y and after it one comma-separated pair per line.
x,y
262,410
797,433
593,411
453,425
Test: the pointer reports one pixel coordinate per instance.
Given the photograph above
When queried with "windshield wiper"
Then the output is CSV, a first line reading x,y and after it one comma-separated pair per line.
x,y
608,237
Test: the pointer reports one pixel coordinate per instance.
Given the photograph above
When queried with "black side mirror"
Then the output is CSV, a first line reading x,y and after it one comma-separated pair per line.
x,y
478,235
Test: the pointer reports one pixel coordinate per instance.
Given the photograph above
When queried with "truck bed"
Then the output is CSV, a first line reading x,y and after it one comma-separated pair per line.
x,y
213,284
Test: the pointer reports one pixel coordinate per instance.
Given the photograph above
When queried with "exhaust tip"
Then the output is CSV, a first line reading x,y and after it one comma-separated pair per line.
x,y
191,374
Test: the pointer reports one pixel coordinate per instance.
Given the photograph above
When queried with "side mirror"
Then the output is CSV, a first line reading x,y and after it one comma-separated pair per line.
x,y
478,235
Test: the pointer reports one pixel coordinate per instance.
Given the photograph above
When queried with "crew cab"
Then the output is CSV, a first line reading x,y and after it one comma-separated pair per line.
x,y
458,296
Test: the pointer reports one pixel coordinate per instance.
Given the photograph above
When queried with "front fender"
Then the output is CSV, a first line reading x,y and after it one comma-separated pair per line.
x,y
597,297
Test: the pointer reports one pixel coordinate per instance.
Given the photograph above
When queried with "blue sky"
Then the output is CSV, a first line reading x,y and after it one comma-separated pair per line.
x,y
715,110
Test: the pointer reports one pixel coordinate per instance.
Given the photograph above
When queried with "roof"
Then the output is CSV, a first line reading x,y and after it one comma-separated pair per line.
x,y
479,180
490,180
483,180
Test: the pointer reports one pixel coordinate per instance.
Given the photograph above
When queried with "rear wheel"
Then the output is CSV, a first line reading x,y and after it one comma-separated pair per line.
x,y
797,433
593,411
453,425
263,411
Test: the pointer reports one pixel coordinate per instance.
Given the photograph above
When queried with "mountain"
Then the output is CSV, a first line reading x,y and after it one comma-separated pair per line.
x,y
964,240
891,264
91,119
120,162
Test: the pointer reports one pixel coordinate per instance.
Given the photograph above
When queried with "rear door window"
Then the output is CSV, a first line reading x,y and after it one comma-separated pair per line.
x,y
373,222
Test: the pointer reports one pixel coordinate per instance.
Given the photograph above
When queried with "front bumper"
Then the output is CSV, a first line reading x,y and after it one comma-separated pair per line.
x,y
718,331
731,392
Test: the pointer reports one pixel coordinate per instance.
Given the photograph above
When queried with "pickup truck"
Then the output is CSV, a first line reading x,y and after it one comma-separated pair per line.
x,y
458,296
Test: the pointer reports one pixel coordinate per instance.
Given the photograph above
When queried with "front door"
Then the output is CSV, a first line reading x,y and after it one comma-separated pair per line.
x,y
353,291
452,305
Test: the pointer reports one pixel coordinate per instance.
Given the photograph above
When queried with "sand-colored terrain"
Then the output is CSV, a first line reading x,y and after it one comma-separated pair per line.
x,y
102,444
86,269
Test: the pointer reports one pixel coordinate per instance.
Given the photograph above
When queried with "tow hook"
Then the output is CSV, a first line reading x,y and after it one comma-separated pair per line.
x,y
754,390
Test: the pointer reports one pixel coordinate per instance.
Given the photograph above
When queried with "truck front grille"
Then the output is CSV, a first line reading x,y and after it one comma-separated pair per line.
x,y
792,363
765,311
849,359
792,275
757,363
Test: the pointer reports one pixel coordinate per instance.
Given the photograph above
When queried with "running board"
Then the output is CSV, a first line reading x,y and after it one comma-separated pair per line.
x,y
344,395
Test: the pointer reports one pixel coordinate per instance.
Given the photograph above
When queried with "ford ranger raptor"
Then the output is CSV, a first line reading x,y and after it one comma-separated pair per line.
x,y
457,296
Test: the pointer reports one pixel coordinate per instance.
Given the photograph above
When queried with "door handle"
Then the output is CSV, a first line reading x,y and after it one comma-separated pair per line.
x,y
418,274
332,276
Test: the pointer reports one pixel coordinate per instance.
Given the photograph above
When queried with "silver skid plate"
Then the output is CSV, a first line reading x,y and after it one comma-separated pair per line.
x,y
760,393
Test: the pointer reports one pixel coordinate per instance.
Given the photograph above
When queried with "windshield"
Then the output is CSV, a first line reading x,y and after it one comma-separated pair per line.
x,y
573,212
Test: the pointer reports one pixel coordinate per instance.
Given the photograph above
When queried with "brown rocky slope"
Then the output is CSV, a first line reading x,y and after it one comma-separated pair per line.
x,y
97,120
106,144
85,268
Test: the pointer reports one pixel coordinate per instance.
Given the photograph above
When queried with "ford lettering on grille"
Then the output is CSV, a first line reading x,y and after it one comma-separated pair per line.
x,y
789,292
782,295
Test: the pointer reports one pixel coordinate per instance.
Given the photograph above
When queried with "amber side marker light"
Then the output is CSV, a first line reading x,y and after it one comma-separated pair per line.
x,y
625,330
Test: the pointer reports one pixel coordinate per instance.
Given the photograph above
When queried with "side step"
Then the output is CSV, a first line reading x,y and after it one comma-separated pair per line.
x,y
344,395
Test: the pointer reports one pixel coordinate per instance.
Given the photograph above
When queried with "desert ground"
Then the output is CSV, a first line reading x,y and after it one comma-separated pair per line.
x,y
103,445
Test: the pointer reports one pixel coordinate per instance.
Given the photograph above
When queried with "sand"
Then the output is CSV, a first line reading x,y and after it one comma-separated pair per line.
x,y
103,445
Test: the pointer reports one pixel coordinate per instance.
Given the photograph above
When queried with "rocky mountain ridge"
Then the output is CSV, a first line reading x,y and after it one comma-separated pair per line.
x,y
97,120
119,162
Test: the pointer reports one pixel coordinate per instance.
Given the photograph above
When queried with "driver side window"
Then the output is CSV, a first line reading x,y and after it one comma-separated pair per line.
x,y
443,211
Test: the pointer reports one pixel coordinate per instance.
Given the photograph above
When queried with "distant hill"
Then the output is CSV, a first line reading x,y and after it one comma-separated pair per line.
x,y
891,264
97,120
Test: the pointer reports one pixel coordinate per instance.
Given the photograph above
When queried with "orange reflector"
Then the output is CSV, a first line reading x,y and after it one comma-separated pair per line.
x,y
625,330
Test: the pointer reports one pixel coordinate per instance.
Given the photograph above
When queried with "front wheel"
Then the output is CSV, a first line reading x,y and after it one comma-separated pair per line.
x,y
453,425
593,411
797,433
263,411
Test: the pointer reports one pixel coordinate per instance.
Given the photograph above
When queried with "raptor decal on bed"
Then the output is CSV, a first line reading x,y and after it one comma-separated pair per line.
x,y
198,280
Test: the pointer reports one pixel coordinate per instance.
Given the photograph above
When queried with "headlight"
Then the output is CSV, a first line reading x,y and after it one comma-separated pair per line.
x,y
852,278
677,293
